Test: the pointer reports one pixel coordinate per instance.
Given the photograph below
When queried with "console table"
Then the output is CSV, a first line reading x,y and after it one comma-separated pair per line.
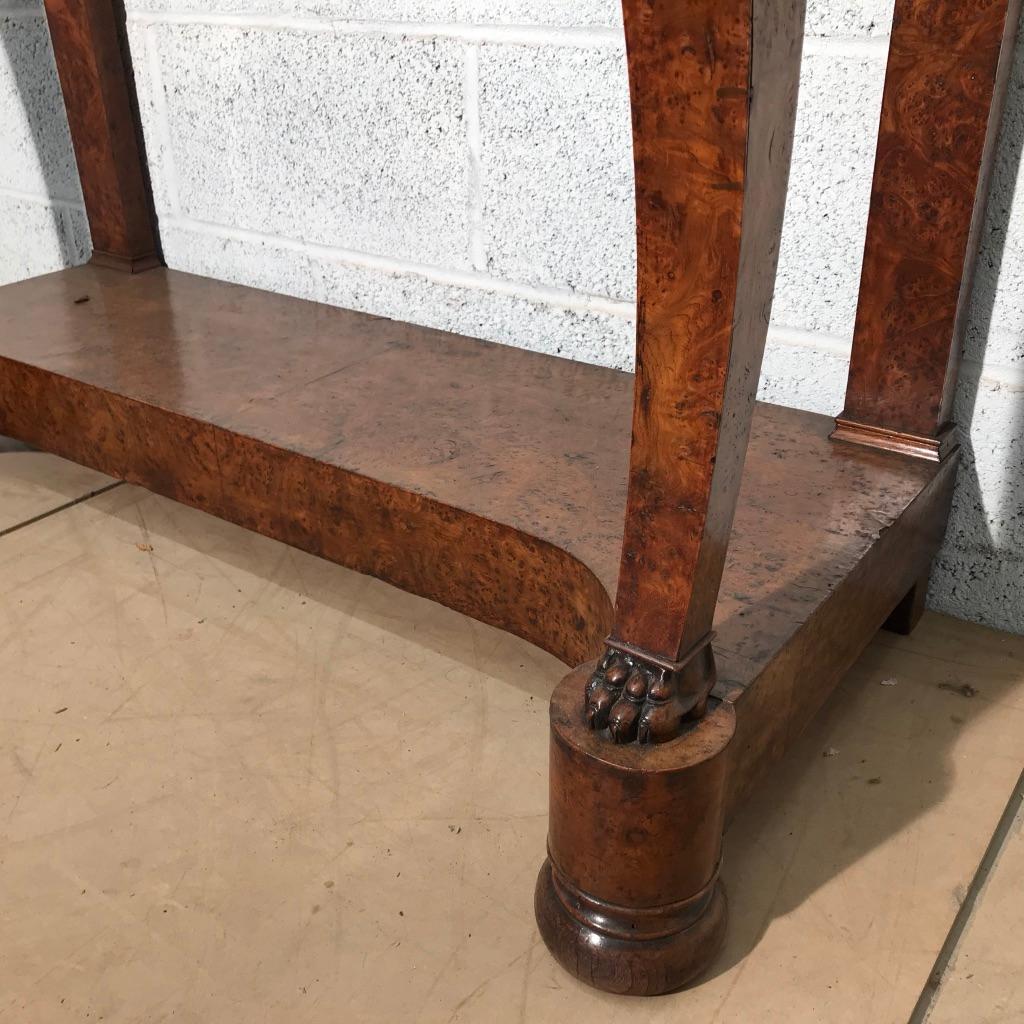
x,y
707,566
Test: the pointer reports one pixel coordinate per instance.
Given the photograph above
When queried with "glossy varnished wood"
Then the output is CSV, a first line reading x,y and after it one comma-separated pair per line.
x,y
486,477
629,899
949,61
530,491
494,481
96,87
713,89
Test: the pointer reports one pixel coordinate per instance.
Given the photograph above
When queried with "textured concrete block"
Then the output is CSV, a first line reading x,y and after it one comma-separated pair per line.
x,y
36,238
849,17
556,168
357,140
830,186
989,505
152,101
981,585
35,145
560,13
995,332
992,344
979,573
990,502
545,12
475,311
35,155
803,376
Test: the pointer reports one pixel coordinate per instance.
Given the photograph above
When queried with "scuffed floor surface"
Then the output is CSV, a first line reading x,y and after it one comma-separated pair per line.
x,y
239,784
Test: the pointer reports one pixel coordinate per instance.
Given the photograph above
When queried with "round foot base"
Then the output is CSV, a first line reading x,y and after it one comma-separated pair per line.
x,y
629,952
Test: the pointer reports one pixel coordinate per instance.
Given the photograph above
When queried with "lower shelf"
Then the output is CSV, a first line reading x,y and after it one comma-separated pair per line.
x,y
485,477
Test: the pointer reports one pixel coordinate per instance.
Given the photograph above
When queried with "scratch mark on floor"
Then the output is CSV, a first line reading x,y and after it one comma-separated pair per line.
x,y
31,772
148,548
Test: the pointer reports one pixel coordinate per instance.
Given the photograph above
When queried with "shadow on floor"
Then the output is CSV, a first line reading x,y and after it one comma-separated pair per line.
x,y
779,851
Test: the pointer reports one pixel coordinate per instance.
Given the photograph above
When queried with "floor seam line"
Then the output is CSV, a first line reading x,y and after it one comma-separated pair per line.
x,y
947,953
6,531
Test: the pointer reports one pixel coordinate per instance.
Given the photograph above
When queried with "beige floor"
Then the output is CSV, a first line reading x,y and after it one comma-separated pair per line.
x,y
238,784
985,983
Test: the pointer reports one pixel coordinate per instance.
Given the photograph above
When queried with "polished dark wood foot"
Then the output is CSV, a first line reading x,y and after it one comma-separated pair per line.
x,y
907,614
629,899
628,951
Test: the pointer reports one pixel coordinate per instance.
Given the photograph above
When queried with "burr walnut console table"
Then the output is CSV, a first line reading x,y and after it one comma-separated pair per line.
x,y
711,566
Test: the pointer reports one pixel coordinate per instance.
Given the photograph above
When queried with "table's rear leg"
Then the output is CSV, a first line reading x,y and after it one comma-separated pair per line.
x,y
907,614
98,89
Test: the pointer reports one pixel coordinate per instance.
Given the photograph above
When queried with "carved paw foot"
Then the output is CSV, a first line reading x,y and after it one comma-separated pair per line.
x,y
635,700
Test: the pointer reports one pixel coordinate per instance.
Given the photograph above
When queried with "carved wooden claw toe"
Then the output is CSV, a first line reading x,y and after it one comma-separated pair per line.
x,y
637,700
604,688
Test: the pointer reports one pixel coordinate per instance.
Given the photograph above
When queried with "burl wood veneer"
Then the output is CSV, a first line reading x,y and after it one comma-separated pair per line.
x,y
488,478
944,88
709,567
98,97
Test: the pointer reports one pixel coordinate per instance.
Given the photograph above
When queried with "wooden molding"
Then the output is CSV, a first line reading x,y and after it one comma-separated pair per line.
x,y
934,449
128,264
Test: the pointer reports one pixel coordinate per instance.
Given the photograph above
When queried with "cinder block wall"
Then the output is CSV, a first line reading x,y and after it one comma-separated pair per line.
x,y
466,164
42,220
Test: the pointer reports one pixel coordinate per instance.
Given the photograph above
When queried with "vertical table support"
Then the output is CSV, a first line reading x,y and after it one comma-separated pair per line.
x,y
944,88
95,83
629,898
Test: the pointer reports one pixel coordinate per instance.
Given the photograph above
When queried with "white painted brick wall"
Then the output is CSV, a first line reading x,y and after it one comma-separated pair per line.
x,y
830,186
42,220
371,151
466,164
546,114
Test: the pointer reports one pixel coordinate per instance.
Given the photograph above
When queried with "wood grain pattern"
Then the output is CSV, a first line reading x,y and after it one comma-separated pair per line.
x,y
703,194
629,898
95,83
517,487
713,88
949,62
490,479
499,489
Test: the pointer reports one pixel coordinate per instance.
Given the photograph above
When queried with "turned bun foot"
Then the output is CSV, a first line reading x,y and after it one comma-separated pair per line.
x,y
629,899
629,952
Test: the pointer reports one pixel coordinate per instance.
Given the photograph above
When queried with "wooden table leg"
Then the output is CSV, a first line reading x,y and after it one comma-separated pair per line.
x,y
907,614
629,899
106,136
946,80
